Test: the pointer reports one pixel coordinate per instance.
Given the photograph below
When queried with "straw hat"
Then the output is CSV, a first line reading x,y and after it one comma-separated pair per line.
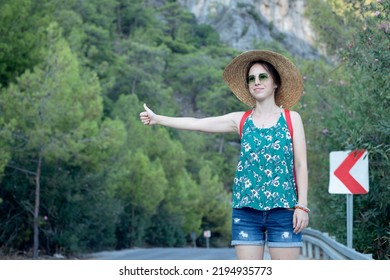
x,y
290,91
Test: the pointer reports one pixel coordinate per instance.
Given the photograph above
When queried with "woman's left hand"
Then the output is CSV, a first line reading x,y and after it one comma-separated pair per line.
x,y
300,220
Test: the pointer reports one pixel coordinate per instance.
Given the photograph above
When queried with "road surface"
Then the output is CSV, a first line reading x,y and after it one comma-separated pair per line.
x,y
168,254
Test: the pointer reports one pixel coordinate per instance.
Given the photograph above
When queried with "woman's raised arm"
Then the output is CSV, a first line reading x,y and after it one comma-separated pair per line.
x,y
225,123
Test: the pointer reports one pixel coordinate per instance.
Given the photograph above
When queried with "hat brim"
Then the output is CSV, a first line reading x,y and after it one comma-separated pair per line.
x,y
291,88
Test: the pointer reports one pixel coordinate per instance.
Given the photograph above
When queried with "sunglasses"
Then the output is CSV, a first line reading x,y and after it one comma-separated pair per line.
x,y
262,78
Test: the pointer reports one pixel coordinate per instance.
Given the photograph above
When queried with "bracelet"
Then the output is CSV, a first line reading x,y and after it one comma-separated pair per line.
x,y
301,207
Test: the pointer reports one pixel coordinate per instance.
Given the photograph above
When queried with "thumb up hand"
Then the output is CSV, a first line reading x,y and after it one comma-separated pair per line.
x,y
147,117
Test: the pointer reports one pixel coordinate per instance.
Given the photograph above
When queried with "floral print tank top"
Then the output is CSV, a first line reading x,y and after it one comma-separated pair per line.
x,y
264,176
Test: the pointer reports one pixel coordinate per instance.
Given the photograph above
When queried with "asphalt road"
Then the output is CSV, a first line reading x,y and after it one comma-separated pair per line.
x,y
168,254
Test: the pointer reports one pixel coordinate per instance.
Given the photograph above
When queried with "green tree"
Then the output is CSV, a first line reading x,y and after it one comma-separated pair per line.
x,y
216,207
141,185
139,181
5,142
23,23
176,22
368,56
339,26
343,108
139,71
133,19
56,109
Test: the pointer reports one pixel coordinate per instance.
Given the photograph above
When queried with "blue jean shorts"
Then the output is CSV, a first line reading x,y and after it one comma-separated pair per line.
x,y
256,227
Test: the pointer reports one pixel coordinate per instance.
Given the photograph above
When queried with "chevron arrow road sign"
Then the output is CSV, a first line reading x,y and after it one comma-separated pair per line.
x,y
349,172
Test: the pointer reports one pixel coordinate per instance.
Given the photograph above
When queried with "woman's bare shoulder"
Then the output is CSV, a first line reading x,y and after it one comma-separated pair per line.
x,y
295,115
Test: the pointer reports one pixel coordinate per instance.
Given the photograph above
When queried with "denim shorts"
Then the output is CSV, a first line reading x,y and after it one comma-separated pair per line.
x,y
256,227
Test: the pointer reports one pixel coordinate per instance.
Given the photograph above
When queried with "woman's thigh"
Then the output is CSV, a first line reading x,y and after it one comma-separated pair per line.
x,y
284,253
249,252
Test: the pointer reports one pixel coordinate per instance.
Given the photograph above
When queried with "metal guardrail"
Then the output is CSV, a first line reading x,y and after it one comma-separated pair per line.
x,y
320,246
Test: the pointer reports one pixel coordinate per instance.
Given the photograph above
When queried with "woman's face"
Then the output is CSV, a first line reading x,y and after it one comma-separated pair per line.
x,y
260,83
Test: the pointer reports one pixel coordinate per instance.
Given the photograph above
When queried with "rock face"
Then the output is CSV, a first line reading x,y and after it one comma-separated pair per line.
x,y
243,23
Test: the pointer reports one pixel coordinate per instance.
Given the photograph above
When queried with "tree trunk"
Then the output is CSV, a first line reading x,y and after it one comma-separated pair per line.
x,y
135,80
221,144
36,208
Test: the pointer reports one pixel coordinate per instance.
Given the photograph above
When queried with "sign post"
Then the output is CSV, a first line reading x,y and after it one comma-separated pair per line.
x,y
207,235
349,175
193,237
349,220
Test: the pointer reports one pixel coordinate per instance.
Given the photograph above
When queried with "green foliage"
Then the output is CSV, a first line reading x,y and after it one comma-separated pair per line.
x,y
56,111
369,57
216,207
33,103
333,21
139,70
78,211
5,141
343,108
21,31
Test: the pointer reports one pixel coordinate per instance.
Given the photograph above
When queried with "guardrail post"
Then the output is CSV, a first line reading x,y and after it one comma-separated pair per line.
x,y
304,249
317,253
310,250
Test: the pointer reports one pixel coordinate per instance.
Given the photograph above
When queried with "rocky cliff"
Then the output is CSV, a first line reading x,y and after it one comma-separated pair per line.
x,y
243,23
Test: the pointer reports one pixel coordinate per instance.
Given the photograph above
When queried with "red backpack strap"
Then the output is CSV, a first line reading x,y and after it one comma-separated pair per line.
x,y
244,117
290,128
289,123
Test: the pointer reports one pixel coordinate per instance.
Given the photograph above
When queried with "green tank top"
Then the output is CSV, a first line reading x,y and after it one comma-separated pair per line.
x,y
264,177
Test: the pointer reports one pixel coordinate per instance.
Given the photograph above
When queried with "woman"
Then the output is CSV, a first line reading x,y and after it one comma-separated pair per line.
x,y
270,185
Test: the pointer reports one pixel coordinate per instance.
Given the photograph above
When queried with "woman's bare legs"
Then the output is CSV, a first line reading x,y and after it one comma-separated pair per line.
x,y
285,253
249,252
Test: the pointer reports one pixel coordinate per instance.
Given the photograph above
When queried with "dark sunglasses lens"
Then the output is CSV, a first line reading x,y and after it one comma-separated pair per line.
x,y
251,79
263,77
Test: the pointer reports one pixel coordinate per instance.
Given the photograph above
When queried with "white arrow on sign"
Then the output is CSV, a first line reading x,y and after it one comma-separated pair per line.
x,y
348,172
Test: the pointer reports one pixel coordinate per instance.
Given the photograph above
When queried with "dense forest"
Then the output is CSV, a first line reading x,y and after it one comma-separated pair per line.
x,y
80,173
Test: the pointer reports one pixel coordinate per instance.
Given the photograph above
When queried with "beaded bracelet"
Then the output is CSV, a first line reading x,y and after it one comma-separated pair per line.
x,y
301,207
